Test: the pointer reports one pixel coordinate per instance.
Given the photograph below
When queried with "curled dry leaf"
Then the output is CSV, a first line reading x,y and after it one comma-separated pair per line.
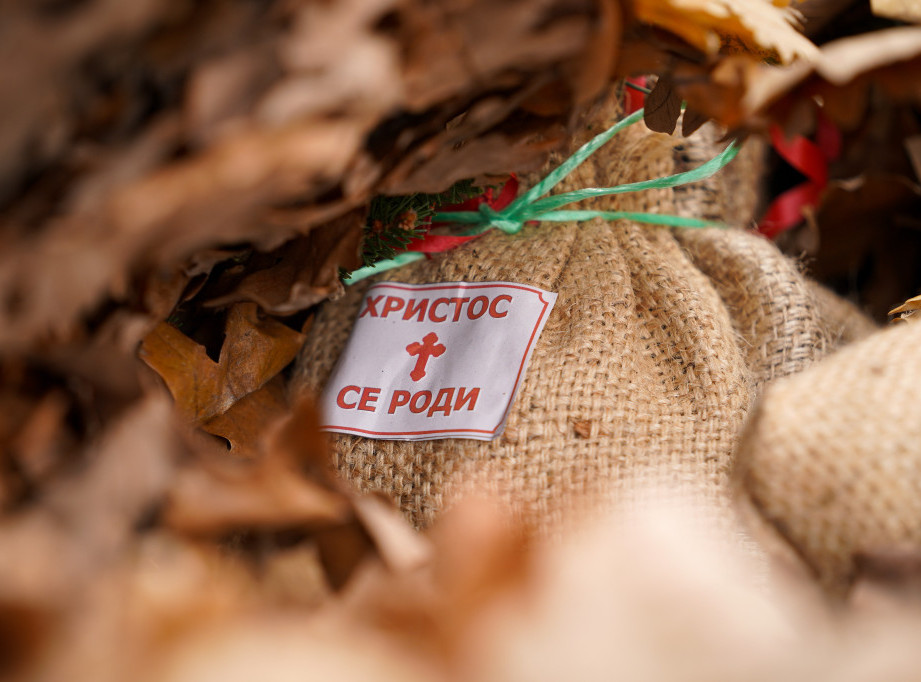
x,y
88,516
715,90
278,487
39,446
214,496
490,154
255,350
840,76
165,288
864,225
300,439
908,311
591,71
281,647
244,424
692,121
760,27
903,10
307,271
912,145
459,42
399,546
44,55
663,106
819,13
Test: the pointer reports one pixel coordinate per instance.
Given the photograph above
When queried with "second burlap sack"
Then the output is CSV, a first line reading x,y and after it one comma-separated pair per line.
x,y
643,376
831,462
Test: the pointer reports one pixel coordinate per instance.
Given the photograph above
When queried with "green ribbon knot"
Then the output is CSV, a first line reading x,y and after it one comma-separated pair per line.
x,y
533,205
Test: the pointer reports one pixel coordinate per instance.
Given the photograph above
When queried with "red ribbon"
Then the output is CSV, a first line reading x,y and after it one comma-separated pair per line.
x,y
437,243
809,158
635,99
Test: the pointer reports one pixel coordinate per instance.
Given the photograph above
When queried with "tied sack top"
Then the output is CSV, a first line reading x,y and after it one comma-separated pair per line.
x,y
649,361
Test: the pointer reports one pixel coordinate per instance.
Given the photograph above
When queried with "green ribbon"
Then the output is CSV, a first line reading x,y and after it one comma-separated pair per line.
x,y
383,266
534,206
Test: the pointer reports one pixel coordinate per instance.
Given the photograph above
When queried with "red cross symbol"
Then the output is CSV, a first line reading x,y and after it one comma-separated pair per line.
x,y
429,348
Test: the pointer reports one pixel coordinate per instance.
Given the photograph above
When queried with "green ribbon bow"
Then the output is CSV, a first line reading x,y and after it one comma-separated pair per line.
x,y
534,206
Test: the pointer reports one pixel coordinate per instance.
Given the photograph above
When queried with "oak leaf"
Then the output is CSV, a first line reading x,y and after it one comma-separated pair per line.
x,y
254,351
243,425
277,488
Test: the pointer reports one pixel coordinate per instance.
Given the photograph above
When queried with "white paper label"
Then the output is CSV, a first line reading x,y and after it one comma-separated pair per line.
x,y
429,361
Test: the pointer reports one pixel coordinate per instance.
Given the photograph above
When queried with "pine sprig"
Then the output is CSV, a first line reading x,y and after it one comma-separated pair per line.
x,y
394,221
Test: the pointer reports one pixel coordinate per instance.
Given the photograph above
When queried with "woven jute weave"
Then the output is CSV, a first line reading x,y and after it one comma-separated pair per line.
x,y
647,366
832,457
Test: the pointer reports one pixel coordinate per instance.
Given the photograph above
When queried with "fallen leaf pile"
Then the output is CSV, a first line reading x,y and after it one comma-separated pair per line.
x,y
182,182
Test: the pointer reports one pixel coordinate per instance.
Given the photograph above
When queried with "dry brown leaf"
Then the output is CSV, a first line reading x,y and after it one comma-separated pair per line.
x,y
254,351
334,60
399,546
89,516
41,442
691,121
888,253
298,439
716,91
213,497
307,271
43,55
294,577
343,550
435,169
593,68
163,218
131,469
245,423
913,149
663,106
165,288
908,311
24,631
308,108
107,360
762,27
890,58
911,304
282,647
819,13
220,90
286,484
843,60
903,10
459,42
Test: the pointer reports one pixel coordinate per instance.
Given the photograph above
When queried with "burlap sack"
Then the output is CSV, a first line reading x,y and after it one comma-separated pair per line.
x,y
832,457
647,366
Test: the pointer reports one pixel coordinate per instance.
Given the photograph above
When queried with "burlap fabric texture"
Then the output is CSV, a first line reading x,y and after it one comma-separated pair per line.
x,y
832,459
648,365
